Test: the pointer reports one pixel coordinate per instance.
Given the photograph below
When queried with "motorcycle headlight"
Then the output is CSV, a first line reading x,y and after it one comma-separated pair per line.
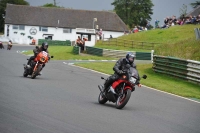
x,y
133,80
42,59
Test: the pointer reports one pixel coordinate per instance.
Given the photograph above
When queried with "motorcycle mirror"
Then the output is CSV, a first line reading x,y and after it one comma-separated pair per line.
x,y
52,56
144,76
128,66
102,77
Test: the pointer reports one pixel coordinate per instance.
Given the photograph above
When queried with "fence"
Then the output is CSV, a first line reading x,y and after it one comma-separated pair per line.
x,y
55,42
185,69
129,43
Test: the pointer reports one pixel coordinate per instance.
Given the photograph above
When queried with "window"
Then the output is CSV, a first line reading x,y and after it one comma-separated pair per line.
x,y
15,27
45,29
19,27
67,30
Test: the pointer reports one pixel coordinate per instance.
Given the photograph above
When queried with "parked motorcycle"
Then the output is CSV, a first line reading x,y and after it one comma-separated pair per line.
x,y
36,65
120,91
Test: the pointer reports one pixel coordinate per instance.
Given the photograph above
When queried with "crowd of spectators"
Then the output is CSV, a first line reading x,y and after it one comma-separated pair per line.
x,y
168,21
171,21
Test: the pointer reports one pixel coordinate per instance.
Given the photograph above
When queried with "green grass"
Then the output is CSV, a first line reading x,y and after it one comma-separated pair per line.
x,y
65,53
155,80
176,41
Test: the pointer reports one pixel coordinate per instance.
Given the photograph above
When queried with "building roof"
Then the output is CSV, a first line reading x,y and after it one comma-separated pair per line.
x,y
194,12
68,18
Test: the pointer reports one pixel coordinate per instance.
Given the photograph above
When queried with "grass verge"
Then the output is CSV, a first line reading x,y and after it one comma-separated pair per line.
x,y
155,80
65,53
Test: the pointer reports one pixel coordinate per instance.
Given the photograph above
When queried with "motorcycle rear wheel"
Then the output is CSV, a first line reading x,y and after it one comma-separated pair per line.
x,y
25,74
123,100
102,99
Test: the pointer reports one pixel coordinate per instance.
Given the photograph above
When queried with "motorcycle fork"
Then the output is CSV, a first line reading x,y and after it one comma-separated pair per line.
x,y
35,66
122,91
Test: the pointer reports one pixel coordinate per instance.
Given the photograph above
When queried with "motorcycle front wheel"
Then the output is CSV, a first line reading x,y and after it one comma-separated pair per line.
x,y
102,99
35,73
123,100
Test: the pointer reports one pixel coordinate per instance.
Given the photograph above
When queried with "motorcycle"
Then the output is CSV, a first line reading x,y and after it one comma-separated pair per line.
x,y
36,65
120,91
9,47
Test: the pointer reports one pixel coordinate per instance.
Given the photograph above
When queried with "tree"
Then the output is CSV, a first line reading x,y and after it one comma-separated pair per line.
x,y
196,4
52,5
49,5
183,11
3,8
134,12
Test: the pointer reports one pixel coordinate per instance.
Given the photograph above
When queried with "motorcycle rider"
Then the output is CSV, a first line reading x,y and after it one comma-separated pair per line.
x,y
1,45
118,68
10,44
37,50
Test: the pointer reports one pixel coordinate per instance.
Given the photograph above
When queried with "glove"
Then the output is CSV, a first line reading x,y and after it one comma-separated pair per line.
x,y
139,85
121,72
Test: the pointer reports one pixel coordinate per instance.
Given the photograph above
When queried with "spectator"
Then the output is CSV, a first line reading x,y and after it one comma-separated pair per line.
x,y
157,23
174,20
148,26
80,43
135,30
100,34
111,37
33,41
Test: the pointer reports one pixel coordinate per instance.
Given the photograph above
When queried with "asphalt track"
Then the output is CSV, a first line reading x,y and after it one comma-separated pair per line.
x,y
64,100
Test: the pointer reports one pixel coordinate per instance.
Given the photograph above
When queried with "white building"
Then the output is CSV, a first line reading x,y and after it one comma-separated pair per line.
x,y
23,22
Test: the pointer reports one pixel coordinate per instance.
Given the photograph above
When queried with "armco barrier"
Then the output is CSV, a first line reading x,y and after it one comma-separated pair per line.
x,y
94,51
197,33
55,42
76,50
118,53
185,69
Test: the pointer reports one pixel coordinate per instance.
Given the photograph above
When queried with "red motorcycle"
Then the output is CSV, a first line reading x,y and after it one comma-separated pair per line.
x,y
36,65
120,91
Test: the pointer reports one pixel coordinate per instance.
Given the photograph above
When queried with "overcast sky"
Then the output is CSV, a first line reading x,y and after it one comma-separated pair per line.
x,y
161,9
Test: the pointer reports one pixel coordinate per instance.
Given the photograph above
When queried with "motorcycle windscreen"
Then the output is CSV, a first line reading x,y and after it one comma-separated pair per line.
x,y
133,72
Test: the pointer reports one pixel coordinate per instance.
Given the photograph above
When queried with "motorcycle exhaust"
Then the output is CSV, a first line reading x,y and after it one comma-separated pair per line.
x,y
27,66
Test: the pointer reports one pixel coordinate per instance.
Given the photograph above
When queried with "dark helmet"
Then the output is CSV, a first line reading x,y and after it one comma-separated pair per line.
x,y
45,45
130,57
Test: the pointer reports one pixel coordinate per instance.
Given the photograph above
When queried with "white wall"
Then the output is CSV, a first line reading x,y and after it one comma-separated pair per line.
x,y
57,35
107,34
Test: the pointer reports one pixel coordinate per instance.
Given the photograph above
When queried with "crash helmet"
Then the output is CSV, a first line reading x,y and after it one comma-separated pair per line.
x,y
45,45
130,57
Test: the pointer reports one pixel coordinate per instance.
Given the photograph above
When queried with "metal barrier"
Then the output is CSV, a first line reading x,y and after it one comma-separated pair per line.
x,y
185,69
197,33
118,53
76,50
55,42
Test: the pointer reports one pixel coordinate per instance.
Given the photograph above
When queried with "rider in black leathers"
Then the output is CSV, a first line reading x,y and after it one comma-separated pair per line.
x,y
119,66
37,50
